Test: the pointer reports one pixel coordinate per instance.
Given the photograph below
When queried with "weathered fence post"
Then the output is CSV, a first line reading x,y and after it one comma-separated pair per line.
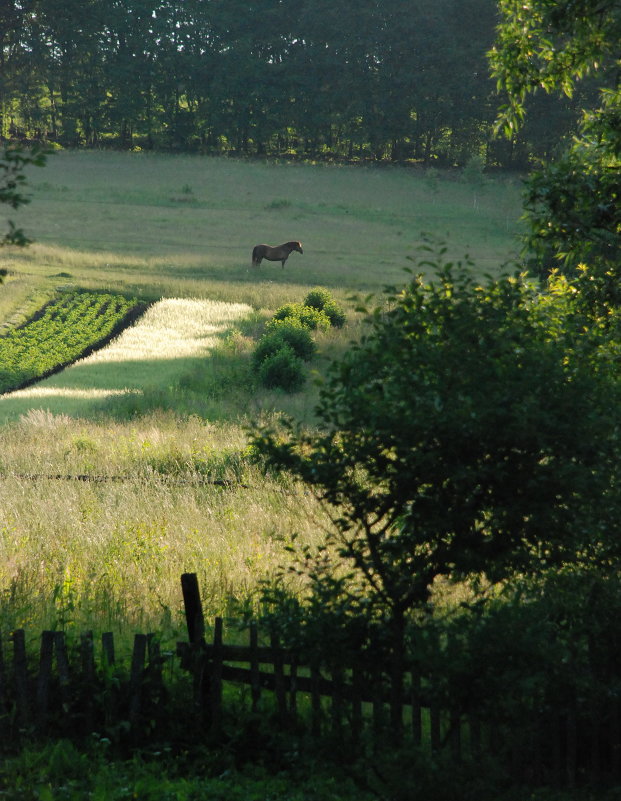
x,y
279,679
336,708
108,665
293,687
196,634
21,675
455,736
62,665
255,680
87,651
435,726
155,661
193,608
107,647
45,675
377,701
215,681
356,702
315,677
135,678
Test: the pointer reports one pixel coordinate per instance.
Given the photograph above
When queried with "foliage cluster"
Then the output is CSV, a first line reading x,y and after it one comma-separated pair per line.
x,y
62,771
279,355
65,329
573,202
13,161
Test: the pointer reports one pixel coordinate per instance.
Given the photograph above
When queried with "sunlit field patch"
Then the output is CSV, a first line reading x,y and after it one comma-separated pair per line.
x,y
167,407
159,345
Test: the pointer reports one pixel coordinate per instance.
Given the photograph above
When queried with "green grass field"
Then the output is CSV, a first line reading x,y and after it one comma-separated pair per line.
x,y
109,554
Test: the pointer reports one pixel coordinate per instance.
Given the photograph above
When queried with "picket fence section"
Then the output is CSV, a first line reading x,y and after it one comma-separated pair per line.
x,y
89,691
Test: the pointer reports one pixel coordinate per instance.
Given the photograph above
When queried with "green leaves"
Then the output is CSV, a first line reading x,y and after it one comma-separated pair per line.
x,y
13,161
572,205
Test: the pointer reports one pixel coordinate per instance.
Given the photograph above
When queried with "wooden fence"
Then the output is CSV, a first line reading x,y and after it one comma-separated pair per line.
x,y
89,691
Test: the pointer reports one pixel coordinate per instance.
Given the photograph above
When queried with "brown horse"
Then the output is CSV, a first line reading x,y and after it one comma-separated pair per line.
x,y
280,253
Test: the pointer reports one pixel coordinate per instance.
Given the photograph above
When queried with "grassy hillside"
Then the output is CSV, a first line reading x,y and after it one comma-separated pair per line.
x,y
108,553
167,224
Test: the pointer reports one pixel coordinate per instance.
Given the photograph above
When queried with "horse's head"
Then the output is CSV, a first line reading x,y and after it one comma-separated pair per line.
x,y
296,246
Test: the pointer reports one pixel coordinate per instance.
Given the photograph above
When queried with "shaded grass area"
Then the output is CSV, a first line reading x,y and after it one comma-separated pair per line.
x,y
108,555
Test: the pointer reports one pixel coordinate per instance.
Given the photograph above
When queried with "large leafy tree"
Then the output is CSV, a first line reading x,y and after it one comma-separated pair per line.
x,y
467,434
573,204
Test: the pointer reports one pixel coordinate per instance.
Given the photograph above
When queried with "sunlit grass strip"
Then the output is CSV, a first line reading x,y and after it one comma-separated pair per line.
x,y
147,354
172,328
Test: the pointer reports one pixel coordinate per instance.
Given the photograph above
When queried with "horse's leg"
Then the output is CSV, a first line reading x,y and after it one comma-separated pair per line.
x,y
283,262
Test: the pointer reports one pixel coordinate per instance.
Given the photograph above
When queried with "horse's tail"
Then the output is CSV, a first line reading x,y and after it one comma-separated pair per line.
x,y
256,255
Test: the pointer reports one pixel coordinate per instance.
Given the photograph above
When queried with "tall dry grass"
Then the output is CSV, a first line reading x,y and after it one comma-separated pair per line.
x,y
109,552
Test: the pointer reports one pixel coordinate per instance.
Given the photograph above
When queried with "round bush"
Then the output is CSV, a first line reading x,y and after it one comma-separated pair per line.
x,y
334,313
321,299
309,316
288,333
288,310
282,370
318,297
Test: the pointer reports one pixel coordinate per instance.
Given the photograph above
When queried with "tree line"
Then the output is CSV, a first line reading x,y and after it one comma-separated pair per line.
x,y
396,80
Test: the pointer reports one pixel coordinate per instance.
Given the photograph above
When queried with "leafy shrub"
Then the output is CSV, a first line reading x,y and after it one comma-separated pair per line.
x,y
322,300
309,316
290,333
334,313
282,370
318,297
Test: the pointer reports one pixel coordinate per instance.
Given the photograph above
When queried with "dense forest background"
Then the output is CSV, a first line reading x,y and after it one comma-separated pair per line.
x,y
396,80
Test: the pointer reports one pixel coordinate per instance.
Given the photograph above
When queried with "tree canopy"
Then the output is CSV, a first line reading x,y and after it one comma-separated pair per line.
x,y
572,203
466,434
366,80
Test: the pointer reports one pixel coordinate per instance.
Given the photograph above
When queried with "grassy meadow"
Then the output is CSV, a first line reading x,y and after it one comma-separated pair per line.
x,y
157,427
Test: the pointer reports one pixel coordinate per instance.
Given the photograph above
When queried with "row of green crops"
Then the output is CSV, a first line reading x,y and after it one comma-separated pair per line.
x,y
280,353
65,329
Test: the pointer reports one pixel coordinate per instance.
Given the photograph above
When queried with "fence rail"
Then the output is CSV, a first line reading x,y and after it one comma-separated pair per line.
x,y
74,689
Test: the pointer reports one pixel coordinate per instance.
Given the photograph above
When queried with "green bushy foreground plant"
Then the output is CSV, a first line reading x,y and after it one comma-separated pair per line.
x,y
62,772
471,436
308,316
289,333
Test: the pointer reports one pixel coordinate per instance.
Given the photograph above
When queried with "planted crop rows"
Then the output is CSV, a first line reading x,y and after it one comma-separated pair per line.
x,y
67,328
